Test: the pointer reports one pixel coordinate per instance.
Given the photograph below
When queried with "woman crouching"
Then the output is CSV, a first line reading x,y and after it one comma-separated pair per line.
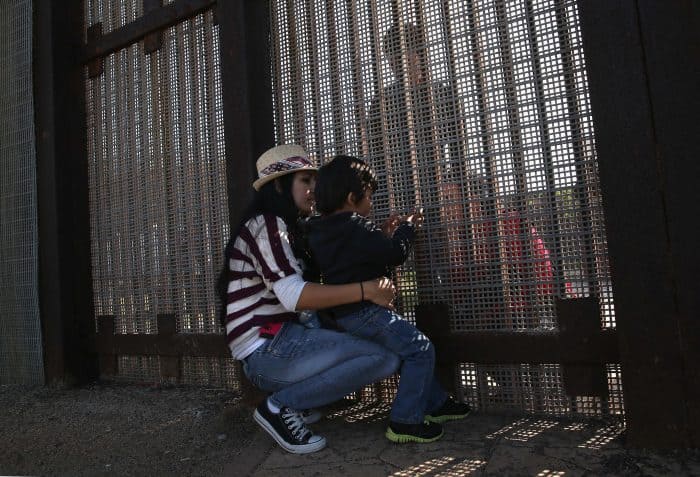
x,y
302,367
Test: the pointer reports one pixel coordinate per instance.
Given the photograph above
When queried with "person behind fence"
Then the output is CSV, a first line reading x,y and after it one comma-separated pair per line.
x,y
415,126
348,248
262,287
417,146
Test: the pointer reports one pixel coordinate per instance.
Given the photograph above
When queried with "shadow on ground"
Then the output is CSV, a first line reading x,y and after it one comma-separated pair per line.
x,y
152,430
479,445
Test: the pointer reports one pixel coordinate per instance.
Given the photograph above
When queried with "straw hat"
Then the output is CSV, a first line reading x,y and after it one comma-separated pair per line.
x,y
281,160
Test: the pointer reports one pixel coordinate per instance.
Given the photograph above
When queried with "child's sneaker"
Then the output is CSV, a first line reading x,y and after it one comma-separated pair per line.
x,y
450,411
288,429
311,416
425,432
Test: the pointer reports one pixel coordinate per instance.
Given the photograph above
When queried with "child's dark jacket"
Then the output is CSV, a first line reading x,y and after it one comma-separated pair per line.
x,y
350,248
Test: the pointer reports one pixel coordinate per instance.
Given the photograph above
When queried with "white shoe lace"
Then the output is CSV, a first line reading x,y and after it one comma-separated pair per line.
x,y
295,423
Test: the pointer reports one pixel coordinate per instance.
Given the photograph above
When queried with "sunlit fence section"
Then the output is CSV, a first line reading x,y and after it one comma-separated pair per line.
x,y
158,204
477,111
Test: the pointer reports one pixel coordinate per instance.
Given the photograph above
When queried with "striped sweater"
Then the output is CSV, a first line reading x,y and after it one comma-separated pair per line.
x,y
260,256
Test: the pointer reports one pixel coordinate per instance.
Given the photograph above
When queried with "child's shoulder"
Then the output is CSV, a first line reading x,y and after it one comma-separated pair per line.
x,y
340,223
364,223
360,219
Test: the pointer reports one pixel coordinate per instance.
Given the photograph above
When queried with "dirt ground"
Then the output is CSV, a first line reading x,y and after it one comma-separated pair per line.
x,y
120,430
130,430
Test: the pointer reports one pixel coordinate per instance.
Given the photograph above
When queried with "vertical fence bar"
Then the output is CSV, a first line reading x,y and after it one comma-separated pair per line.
x,y
312,33
297,105
247,94
632,154
153,41
108,361
546,142
65,282
169,365
492,251
244,29
574,117
671,37
334,57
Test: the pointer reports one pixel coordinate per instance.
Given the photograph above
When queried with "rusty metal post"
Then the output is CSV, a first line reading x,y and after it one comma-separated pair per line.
x,y
108,360
638,55
65,278
169,365
433,320
247,103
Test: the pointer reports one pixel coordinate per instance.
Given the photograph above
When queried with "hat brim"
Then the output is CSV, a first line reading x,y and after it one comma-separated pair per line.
x,y
264,180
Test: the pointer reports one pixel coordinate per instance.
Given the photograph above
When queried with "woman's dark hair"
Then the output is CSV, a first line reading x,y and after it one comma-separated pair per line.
x,y
267,200
341,176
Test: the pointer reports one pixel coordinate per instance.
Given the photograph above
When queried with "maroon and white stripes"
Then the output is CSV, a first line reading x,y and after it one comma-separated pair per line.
x,y
261,255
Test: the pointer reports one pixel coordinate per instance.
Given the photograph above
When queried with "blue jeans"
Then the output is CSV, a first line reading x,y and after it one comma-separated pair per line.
x,y
310,367
419,392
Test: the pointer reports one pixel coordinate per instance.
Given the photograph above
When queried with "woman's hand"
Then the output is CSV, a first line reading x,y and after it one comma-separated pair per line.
x,y
380,291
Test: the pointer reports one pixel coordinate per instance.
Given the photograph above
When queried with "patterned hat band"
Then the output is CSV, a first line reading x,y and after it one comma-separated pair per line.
x,y
279,161
288,164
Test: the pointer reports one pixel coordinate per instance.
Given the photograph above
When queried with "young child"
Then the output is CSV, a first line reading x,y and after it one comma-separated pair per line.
x,y
348,247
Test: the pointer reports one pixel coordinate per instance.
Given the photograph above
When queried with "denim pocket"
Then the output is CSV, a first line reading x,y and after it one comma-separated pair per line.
x,y
260,364
288,342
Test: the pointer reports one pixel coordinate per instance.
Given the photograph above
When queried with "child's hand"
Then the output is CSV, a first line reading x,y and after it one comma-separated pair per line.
x,y
416,218
389,226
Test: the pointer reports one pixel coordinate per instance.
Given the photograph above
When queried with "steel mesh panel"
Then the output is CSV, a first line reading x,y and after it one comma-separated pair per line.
x,y
534,389
616,402
218,372
491,133
112,14
140,369
21,355
197,371
158,201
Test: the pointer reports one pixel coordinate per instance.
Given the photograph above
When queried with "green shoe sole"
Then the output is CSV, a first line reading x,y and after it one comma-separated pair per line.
x,y
403,438
445,418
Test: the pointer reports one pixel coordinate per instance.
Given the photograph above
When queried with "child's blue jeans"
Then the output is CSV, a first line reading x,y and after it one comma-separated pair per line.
x,y
419,392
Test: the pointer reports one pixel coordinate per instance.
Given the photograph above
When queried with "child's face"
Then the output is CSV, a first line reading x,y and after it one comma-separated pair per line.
x,y
364,205
303,191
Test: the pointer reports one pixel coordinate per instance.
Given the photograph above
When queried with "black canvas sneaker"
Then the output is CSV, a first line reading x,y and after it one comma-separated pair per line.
x,y
450,411
311,416
425,432
288,429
